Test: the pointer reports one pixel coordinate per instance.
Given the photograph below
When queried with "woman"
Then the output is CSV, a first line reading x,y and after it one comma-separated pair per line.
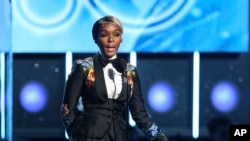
x,y
107,86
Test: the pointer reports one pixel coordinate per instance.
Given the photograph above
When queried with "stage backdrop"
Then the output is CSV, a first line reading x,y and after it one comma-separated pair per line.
x,y
224,88
5,26
154,26
38,85
166,81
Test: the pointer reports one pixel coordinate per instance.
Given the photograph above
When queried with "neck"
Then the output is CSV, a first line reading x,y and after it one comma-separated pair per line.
x,y
108,58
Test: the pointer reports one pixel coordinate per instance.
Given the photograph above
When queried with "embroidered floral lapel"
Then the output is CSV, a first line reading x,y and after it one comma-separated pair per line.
x,y
130,74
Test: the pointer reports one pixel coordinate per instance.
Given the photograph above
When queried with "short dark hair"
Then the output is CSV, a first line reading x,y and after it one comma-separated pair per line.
x,y
98,23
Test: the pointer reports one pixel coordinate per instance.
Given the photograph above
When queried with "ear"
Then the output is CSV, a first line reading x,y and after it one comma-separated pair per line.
x,y
121,40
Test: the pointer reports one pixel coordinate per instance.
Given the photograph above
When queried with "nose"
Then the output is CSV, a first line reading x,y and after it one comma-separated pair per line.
x,y
111,38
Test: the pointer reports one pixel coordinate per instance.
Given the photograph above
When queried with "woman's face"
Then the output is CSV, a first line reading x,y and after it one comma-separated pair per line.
x,y
109,39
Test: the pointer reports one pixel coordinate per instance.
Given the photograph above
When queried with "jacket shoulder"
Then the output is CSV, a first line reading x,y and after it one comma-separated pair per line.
x,y
130,67
86,62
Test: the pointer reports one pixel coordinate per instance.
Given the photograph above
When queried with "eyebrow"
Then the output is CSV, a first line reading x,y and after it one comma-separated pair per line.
x,y
119,30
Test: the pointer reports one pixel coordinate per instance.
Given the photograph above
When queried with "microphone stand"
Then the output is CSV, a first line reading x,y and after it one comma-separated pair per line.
x,y
127,98
123,66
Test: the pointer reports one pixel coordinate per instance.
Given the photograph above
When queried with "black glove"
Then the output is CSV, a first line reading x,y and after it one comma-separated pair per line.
x,y
155,134
67,122
159,137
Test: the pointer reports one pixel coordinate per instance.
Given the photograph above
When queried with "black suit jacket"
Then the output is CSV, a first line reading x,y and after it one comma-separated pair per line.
x,y
87,81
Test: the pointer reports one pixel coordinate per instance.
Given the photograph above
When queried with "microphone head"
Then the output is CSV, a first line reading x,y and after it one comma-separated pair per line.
x,y
123,64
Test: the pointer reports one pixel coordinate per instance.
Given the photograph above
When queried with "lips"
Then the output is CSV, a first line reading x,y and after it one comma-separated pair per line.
x,y
110,49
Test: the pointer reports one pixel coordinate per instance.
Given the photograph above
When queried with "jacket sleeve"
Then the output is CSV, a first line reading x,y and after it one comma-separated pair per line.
x,y
136,104
140,115
71,94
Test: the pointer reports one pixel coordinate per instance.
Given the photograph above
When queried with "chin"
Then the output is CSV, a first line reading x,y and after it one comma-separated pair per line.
x,y
109,55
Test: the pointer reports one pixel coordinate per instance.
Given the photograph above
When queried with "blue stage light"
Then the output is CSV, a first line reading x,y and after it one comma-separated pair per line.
x,y
224,96
33,97
161,97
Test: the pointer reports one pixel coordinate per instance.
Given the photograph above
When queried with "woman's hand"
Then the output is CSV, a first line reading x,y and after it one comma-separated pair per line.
x,y
64,110
155,134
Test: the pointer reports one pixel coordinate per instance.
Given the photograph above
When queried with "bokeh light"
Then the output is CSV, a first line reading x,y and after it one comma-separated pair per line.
x,y
224,96
161,97
33,97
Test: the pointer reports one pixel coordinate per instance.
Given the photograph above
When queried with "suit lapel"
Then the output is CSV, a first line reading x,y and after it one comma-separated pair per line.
x,y
100,86
125,89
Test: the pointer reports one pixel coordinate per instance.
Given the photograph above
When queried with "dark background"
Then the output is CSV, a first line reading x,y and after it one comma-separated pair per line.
x,y
172,68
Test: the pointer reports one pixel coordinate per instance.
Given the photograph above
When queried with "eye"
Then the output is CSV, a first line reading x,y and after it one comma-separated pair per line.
x,y
104,35
117,34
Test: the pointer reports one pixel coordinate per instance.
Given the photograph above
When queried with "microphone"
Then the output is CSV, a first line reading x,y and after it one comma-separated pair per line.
x,y
123,67
122,64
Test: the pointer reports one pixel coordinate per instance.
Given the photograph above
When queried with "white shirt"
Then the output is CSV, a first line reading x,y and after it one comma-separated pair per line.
x,y
113,81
